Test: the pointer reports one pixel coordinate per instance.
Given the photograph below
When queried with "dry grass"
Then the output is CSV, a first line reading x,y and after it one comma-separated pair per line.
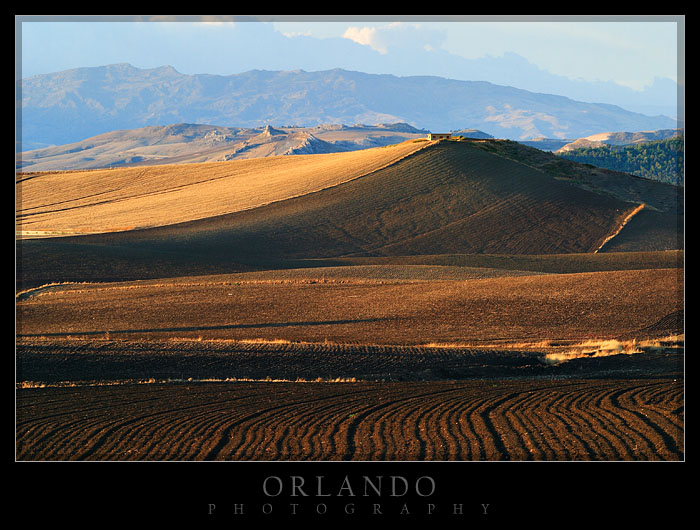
x,y
152,381
112,199
556,350
608,347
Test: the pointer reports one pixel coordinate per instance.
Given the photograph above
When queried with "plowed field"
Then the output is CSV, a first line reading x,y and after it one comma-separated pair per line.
x,y
569,419
377,365
434,302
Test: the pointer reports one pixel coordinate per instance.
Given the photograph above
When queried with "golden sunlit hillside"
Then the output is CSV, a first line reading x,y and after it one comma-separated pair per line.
x,y
106,200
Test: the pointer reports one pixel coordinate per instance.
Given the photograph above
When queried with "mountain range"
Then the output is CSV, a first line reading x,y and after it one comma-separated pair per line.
x,y
72,105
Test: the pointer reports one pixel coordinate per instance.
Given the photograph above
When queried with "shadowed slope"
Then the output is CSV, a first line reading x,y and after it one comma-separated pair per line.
x,y
649,230
450,197
447,198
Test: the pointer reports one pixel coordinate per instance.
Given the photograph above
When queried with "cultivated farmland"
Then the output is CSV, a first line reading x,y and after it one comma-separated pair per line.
x,y
441,301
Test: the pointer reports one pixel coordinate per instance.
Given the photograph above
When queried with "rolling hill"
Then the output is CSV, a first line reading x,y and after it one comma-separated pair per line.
x,y
479,197
402,302
60,203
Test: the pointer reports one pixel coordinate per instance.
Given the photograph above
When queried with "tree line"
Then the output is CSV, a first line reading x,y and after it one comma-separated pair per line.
x,y
660,160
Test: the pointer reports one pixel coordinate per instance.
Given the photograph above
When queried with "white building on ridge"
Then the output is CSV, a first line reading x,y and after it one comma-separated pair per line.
x,y
439,136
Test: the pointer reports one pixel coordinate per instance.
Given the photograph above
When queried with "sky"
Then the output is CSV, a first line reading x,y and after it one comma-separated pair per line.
x,y
629,51
588,50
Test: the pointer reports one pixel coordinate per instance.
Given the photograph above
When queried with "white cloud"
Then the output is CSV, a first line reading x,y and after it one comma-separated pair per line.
x,y
398,35
366,36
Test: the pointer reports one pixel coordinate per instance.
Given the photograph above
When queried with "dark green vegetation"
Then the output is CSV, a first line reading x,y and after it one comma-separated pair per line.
x,y
661,160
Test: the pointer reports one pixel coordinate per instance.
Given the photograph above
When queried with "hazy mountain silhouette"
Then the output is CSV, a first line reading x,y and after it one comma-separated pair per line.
x,y
72,105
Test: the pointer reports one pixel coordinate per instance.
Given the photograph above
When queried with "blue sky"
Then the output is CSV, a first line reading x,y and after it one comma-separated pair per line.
x,y
630,51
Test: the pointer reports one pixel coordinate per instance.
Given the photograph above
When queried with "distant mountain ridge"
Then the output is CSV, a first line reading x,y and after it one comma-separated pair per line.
x,y
72,105
196,143
620,139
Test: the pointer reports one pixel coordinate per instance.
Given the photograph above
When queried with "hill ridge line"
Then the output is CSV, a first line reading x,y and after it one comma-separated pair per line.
x,y
25,233
263,205
353,179
330,187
